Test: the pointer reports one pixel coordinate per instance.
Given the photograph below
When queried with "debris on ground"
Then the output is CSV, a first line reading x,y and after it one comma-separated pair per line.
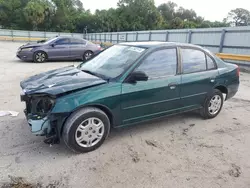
x,y
219,131
236,123
235,171
19,182
152,143
6,113
185,131
208,146
93,168
134,155
155,144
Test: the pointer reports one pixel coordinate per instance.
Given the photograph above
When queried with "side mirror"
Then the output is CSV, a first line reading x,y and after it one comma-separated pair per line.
x,y
52,45
137,76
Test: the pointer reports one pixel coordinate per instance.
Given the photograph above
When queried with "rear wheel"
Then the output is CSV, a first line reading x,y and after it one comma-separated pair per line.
x,y
213,105
87,55
40,57
86,130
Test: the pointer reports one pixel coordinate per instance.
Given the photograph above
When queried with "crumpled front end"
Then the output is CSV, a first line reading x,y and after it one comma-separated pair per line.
x,y
38,114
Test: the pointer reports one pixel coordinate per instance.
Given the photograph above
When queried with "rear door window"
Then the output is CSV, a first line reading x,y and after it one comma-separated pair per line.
x,y
210,63
193,60
75,41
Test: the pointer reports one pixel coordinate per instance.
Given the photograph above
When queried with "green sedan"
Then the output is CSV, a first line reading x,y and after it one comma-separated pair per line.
x,y
125,84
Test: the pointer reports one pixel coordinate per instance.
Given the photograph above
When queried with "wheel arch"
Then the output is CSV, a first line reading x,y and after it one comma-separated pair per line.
x,y
88,51
104,108
40,50
223,89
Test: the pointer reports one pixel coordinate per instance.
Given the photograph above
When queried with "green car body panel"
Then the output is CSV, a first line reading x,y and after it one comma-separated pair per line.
x,y
128,103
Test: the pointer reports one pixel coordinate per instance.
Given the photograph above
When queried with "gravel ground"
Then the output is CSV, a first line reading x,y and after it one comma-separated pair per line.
x,y
180,151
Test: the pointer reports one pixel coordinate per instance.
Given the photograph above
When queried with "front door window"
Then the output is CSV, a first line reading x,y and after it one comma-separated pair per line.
x,y
161,63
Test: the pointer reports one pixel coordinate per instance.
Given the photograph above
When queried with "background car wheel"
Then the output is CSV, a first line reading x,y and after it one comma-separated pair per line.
x,y
87,55
86,130
40,57
213,105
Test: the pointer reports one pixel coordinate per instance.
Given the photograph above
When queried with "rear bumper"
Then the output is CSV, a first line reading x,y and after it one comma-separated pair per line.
x,y
232,90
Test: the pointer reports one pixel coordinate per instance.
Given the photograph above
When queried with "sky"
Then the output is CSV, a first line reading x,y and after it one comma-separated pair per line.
x,y
211,10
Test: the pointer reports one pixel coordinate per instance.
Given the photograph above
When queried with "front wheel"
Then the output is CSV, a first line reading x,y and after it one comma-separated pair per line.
x,y
213,105
86,130
40,57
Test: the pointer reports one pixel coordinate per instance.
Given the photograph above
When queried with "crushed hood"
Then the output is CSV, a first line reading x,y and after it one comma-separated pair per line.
x,y
59,81
31,45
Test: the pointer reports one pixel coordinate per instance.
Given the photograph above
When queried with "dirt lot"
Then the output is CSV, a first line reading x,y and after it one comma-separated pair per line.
x,y
181,151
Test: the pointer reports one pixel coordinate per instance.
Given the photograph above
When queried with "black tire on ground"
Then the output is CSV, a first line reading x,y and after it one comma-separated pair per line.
x,y
40,57
205,112
72,124
87,55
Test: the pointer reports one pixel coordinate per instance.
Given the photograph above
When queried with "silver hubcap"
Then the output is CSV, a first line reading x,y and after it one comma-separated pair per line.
x,y
88,55
40,57
89,132
214,105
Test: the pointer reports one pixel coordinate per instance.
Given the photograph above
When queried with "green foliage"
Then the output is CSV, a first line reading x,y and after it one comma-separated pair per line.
x,y
239,17
139,15
70,16
34,12
11,13
167,10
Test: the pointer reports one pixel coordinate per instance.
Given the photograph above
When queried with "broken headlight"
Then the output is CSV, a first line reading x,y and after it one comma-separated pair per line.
x,y
44,105
39,107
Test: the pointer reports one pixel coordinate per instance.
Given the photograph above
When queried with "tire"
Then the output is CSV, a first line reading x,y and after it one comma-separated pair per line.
x,y
87,55
208,111
79,127
40,57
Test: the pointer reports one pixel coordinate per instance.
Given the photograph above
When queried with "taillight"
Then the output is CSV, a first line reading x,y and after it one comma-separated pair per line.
x,y
238,71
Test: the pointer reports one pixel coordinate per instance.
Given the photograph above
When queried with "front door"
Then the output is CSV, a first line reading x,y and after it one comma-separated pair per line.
x,y
158,96
59,49
198,78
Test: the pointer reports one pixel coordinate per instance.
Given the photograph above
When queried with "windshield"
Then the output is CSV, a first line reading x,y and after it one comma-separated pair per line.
x,y
113,61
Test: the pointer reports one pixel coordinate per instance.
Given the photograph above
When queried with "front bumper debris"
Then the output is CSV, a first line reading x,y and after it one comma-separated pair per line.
x,y
39,118
40,127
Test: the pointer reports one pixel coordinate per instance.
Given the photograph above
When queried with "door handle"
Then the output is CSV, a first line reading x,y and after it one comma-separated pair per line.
x,y
172,85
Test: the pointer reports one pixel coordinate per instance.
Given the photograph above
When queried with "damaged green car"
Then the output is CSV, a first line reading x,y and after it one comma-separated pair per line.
x,y
123,85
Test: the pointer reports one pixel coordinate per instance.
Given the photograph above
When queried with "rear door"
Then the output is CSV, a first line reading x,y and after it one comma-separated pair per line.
x,y
158,96
59,49
199,73
77,48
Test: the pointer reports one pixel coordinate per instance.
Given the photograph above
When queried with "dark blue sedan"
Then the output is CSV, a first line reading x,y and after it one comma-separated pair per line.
x,y
58,48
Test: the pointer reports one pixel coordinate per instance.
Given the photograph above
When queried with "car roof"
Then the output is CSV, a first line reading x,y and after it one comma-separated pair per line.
x,y
152,44
68,37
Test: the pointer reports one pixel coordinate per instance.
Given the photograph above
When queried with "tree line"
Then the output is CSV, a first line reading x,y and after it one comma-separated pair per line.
x,y
130,15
